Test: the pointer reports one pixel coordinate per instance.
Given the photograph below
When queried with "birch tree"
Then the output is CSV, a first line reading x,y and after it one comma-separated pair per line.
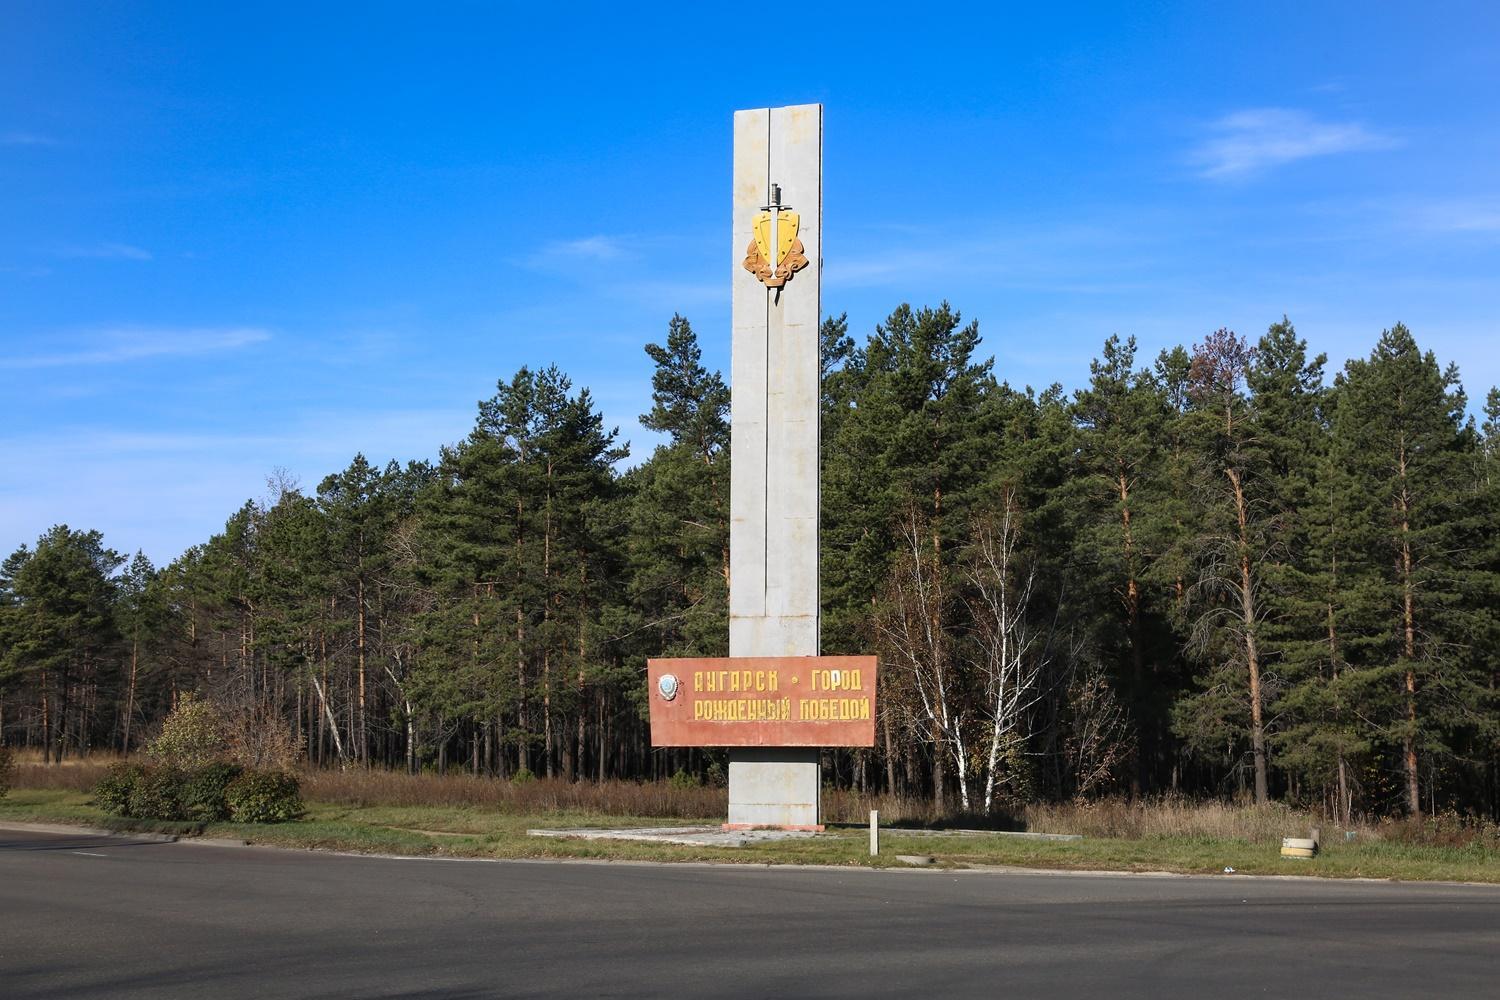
x,y
1008,656
913,626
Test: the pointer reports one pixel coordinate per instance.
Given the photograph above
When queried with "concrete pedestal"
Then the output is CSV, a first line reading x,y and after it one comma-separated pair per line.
x,y
774,786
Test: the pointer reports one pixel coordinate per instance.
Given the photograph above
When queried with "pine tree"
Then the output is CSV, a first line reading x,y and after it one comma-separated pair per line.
x,y
472,629
57,627
1256,417
909,444
1486,598
523,554
141,614
679,510
295,587
1399,431
1174,538
582,559
360,517
907,427
1119,417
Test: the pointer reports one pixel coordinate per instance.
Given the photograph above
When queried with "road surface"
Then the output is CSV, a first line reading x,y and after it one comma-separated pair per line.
x,y
84,916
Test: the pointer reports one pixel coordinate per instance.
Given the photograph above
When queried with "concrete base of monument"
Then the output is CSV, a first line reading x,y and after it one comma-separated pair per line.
x,y
816,828
777,788
692,836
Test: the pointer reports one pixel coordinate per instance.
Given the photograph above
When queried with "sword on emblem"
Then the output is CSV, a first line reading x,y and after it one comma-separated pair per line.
x,y
775,209
765,257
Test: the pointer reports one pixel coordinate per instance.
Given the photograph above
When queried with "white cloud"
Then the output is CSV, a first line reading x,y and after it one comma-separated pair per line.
x,y
120,346
1059,256
856,271
26,139
1256,139
669,296
589,247
26,272
1479,216
103,251
165,489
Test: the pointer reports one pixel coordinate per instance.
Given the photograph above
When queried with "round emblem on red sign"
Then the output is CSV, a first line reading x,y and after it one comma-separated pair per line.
x,y
667,685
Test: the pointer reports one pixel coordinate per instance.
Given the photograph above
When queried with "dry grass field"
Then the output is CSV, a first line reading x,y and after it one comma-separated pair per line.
x,y
461,815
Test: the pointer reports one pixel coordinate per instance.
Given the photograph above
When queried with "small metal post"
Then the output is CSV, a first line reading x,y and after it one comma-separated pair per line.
x,y
874,833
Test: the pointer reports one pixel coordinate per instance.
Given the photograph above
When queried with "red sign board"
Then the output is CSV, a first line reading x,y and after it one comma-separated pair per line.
x,y
763,701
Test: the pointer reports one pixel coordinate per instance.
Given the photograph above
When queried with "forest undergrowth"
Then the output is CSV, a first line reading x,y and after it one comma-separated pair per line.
x,y
1113,818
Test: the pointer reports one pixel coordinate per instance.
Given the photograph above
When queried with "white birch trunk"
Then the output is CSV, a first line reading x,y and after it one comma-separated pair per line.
x,y
1006,659
333,726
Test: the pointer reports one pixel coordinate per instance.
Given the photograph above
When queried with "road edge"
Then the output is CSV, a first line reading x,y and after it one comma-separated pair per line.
x,y
970,870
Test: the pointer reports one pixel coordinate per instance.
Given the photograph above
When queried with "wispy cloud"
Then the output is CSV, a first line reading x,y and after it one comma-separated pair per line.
x,y
26,139
1060,257
102,251
121,346
1256,139
165,488
669,295
1477,216
598,247
25,272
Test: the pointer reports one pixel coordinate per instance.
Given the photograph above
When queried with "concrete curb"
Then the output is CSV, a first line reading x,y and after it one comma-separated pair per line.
x,y
144,835
89,831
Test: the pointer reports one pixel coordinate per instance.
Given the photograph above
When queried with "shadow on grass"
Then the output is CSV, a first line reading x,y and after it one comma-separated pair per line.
x,y
999,822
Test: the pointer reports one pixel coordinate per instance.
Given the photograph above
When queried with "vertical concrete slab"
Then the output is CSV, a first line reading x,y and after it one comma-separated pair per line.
x,y
747,375
775,409
792,397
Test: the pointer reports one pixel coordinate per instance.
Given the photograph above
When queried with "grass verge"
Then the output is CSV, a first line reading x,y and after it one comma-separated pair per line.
x,y
463,830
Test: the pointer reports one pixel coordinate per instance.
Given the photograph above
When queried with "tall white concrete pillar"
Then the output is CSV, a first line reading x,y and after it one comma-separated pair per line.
x,y
773,536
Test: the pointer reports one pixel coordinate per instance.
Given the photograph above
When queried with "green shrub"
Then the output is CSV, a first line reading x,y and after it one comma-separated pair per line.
x,y
192,736
715,776
7,768
204,792
115,789
200,795
683,780
522,776
157,795
264,797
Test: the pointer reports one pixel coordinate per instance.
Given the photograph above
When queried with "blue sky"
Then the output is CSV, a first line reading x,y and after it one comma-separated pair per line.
x,y
235,239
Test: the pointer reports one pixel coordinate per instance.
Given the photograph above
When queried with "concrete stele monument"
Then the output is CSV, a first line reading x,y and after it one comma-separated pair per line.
x,y
774,701
774,442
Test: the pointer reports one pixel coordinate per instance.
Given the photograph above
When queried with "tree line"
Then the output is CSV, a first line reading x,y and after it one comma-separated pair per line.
x,y
1220,571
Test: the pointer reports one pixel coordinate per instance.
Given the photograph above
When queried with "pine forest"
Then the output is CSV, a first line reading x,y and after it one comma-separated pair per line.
x,y
1228,571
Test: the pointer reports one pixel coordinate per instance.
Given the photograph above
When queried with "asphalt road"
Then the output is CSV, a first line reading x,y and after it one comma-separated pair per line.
x,y
96,916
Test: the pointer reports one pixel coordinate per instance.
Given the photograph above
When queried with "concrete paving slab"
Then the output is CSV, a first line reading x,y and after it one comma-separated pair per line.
x,y
693,836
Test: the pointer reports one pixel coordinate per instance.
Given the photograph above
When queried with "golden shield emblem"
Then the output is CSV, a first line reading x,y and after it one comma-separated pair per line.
x,y
774,265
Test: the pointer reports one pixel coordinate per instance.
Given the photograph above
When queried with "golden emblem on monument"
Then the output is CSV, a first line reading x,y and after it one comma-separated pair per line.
x,y
775,253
